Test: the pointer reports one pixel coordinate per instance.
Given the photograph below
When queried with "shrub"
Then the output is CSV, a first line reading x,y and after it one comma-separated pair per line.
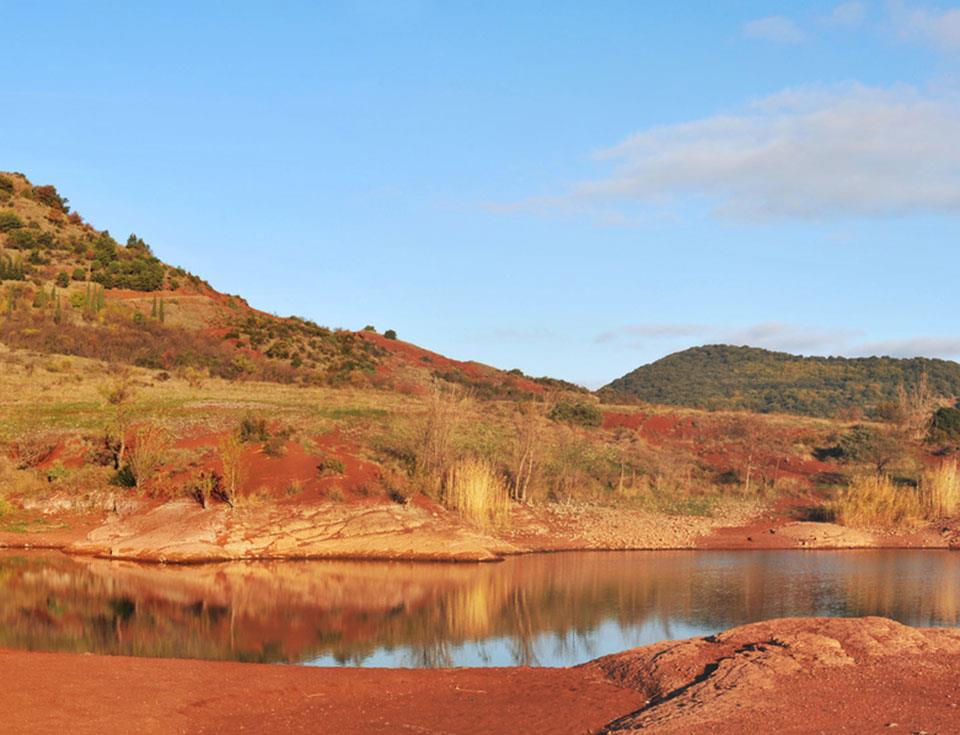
x,y
22,239
79,274
11,270
125,477
49,196
275,446
331,466
578,412
63,279
390,334
10,221
876,501
6,187
945,426
475,491
253,429
875,447
147,454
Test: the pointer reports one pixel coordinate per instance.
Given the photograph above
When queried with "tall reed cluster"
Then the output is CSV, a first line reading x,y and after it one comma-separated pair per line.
x,y
940,491
875,500
476,491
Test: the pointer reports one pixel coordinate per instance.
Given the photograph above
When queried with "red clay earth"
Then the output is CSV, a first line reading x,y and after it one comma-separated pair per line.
x,y
817,675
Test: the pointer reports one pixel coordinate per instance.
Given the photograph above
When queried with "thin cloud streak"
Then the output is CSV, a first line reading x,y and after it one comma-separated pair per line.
x,y
780,336
776,28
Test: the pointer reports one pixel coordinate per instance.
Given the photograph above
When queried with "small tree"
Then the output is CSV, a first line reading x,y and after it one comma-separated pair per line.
x,y
234,467
119,394
879,448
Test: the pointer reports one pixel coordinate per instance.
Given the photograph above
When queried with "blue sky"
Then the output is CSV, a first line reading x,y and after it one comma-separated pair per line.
x,y
573,189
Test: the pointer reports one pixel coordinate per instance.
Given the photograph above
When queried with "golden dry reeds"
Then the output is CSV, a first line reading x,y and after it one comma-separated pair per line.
x,y
476,491
876,501
940,491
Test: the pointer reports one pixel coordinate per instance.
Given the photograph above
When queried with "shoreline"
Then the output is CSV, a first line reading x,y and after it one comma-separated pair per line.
x,y
164,534
796,675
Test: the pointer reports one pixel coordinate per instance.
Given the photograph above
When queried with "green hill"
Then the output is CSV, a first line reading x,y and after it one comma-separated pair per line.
x,y
727,377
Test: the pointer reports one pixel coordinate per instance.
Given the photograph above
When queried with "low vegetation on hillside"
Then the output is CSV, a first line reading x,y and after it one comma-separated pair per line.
x,y
122,377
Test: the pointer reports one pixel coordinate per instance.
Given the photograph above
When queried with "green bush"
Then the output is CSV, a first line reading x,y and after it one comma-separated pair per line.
x,y
21,239
10,221
253,429
79,274
945,426
63,279
390,334
11,270
578,412
331,466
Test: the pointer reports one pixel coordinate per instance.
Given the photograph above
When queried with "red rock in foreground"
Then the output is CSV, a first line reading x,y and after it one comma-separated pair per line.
x,y
814,675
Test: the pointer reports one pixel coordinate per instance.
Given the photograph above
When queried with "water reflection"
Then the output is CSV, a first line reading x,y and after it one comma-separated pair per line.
x,y
548,610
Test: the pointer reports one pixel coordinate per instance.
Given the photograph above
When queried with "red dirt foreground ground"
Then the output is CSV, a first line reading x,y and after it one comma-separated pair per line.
x,y
816,675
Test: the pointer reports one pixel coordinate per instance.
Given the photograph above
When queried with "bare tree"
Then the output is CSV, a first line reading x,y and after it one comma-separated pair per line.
x,y
528,439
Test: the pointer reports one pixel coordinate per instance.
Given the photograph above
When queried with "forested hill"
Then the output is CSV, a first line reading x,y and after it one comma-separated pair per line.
x,y
727,377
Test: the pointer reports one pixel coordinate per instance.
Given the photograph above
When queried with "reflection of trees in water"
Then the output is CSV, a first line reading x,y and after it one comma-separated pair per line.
x,y
546,608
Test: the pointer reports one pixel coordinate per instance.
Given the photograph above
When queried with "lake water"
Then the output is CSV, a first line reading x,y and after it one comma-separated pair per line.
x,y
548,610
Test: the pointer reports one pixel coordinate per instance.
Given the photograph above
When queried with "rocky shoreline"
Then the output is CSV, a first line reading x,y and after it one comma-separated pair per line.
x,y
179,532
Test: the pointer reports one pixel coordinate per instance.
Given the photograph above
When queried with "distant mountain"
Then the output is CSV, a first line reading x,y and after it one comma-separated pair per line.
x,y
727,377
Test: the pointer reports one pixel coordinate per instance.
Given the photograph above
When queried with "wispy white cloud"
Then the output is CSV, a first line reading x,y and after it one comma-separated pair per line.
x,y
847,14
927,25
771,335
795,338
807,153
945,347
776,28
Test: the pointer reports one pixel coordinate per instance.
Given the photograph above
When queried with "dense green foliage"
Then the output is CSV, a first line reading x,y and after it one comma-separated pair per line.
x,y
11,270
9,221
133,267
945,426
725,377
576,412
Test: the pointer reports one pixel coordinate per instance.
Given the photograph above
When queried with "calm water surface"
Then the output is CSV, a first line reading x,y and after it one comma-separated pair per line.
x,y
549,610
